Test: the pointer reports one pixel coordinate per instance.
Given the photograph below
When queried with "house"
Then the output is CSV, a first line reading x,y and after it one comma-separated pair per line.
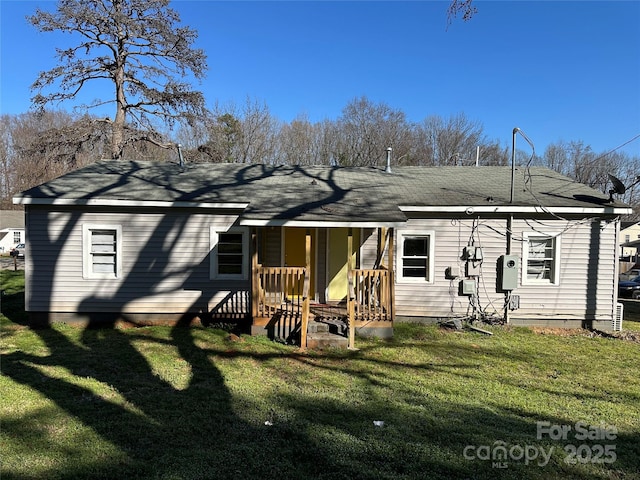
x,y
11,229
629,234
630,264
285,247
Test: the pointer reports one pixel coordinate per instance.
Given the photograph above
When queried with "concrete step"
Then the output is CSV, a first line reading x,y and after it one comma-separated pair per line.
x,y
334,325
317,327
320,340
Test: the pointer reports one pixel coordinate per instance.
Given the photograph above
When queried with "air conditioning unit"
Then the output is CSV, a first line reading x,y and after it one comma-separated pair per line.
x,y
616,324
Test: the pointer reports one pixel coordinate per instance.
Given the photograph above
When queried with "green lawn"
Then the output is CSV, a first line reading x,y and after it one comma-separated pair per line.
x,y
192,403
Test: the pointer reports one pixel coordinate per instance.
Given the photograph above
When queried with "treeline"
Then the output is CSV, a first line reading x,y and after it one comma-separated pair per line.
x,y
37,147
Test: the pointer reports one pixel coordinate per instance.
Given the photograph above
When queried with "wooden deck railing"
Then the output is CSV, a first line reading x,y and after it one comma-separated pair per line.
x,y
280,290
371,295
283,293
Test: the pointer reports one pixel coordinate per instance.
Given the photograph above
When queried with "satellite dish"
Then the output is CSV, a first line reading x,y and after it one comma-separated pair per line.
x,y
618,187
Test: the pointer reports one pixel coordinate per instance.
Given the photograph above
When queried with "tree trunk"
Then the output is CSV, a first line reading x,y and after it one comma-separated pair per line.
x,y
117,134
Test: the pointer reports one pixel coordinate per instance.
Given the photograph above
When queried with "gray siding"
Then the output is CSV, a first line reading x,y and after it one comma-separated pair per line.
x,y
587,276
271,246
165,264
368,247
587,271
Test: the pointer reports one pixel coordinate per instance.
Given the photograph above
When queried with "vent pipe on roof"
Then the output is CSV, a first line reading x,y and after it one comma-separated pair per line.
x,y
179,146
513,161
388,169
513,155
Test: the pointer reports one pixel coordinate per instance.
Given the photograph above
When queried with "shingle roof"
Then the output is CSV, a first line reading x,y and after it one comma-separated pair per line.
x,y
318,193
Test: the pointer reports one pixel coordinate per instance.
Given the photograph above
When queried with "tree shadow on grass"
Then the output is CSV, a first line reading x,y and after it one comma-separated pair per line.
x,y
160,429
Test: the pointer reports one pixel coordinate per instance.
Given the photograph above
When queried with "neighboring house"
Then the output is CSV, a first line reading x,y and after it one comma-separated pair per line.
x,y
11,229
629,232
630,266
628,250
279,246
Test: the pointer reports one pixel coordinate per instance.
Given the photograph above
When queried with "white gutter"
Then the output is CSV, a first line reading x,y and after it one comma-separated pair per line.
x,y
101,202
317,223
471,209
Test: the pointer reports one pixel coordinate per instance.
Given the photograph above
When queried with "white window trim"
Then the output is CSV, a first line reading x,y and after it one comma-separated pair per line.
x,y
525,280
400,263
214,237
87,261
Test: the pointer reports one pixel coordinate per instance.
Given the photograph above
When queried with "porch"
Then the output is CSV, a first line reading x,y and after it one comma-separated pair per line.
x,y
285,306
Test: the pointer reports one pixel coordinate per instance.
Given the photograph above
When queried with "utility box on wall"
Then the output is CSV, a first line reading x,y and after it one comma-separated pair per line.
x,y
508,268
467,287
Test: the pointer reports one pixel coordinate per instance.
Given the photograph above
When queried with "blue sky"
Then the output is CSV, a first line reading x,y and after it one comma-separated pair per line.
x,y
560,71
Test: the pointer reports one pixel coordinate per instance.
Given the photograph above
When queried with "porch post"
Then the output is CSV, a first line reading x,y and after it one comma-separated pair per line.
x,y
382,241
305,291
255,278
351,292
392,280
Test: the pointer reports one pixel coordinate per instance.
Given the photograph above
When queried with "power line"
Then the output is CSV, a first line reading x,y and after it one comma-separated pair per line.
x,y
617,148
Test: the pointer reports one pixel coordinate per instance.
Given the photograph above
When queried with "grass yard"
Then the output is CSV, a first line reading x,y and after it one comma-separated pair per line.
x,y
193,403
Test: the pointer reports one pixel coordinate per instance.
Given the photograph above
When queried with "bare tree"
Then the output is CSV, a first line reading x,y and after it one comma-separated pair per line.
x,y
296,143
453,141
223,135
245,134
464,7
137,45
492,153
578,161
38,146
367,129
6,162
326,142
629,174
556,158
259,129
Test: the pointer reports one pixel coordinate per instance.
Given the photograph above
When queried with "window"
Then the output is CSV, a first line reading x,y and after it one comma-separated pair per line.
x,y
17,237
102,251
415,256
541,260
229,254
627,238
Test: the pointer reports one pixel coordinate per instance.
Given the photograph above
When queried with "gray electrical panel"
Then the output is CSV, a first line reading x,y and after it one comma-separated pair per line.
x,y
509,271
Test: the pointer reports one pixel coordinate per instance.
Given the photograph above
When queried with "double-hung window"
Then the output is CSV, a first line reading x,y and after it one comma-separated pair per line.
x,y
17,237
229,254
102,251
541,255
415,256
